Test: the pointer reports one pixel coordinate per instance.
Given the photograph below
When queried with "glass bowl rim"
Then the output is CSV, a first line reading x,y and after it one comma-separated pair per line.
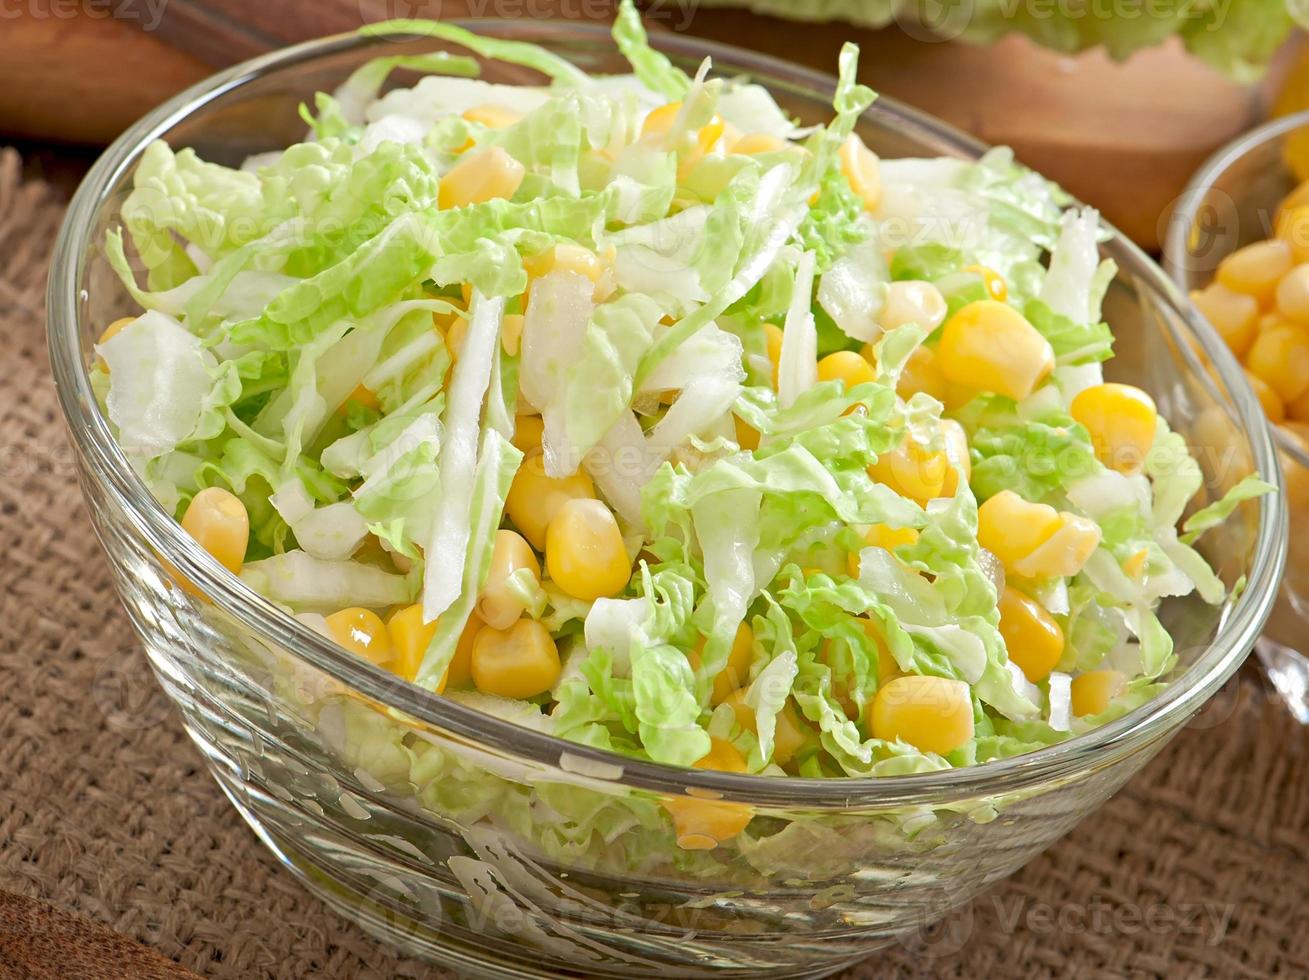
x,y
1197,190
107,467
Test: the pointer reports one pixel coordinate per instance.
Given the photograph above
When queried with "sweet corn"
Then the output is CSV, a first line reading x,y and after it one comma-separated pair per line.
x,y
933,714
914,302
737,668
1293,228
528,433
454,337
882,536
481,176
1280,355
753,143
1011,528
773,344
110,332
460,671
364,397
1255,269
789,733
1064,553
847,367
1092,691
747,437
217,519
1121,420
1272,404
990,346
535,498
511,333
912,470
410,637
960,470
1031,636
1134,564
567,257
994,284
520,662
1234,315
1293,295
887,668
1298,197
584,551
497,604
491,116
362,632
922,372
660,121
862,171
1298,410
702,824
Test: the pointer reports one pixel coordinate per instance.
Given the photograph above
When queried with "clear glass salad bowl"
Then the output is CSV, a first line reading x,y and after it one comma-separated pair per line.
x,y
501,851
1231,202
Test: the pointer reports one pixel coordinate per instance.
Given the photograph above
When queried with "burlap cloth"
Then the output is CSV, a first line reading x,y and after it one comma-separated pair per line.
x,y
1199,868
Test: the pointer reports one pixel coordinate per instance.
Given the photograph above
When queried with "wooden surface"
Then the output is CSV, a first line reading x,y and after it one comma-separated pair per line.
x,y
1124,137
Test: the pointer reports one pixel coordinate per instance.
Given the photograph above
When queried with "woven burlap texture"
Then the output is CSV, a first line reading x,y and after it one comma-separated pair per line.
x,y
1199,868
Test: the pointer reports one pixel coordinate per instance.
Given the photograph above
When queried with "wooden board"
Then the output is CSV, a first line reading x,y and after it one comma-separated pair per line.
x,y
1123,137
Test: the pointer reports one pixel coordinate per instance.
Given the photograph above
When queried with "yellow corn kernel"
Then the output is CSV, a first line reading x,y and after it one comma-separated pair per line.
x,y
737,668
933,714
110,332
535,498
460,671
1121,420
773,344
1063,553
882,536
1293,295
1092,691
584,551
753,143
362,632
566,257
912,470
491,116
481,176
994,284
747,437
364,397
922,372
1031,636
454,337
847,367
511,333
497,603
1134,564
217,519
1280,355
1268,398
702,824
862,171
960,469
1011,528
990,346
660,121
912,301
1298,197
1255,269
1293,228
520,662
528,433
789,733
1298,410
887,668
410,637
1234,315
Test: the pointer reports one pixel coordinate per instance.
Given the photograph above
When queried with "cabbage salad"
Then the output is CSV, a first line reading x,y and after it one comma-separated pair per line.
x,y
630,409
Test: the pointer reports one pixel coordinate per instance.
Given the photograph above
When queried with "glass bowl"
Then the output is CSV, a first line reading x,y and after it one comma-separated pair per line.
x,y
501,851
1231,202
